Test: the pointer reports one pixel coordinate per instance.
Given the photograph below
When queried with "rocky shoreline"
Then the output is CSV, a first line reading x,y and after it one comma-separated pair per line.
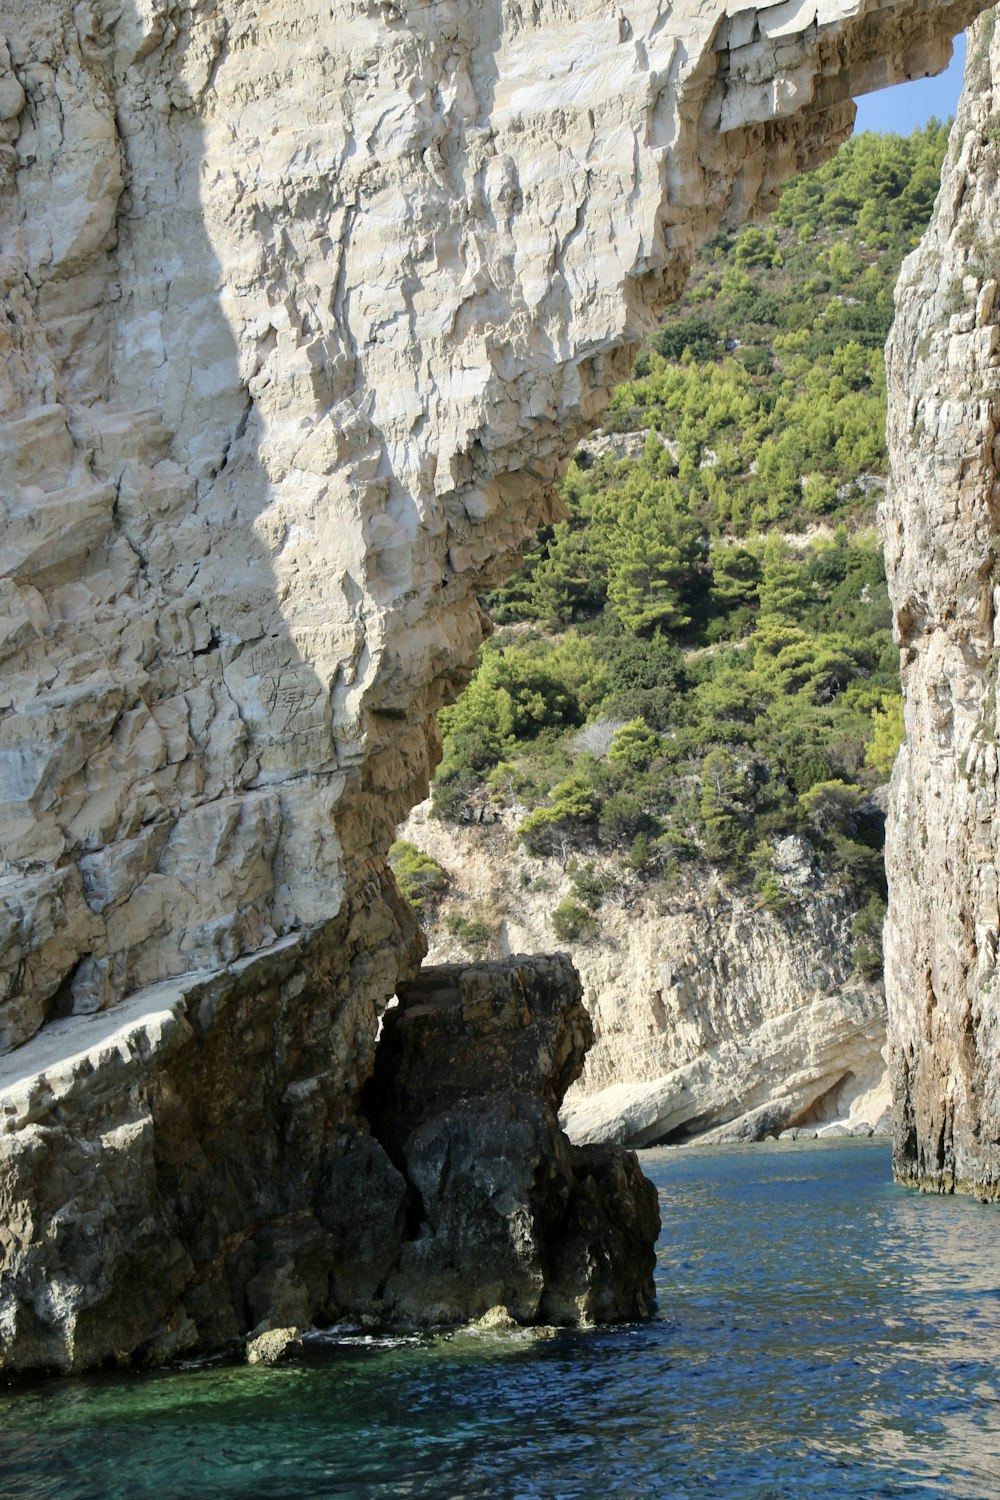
x,y
170,1227
714,1018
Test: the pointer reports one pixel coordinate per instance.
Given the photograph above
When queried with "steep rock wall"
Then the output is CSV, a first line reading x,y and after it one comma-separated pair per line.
x,y
941,527
303,307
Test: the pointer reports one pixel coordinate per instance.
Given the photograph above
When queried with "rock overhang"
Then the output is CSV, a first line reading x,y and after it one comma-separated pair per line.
x,y
307,316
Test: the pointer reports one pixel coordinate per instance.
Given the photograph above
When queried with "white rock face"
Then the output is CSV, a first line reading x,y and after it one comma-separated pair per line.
x,y
303,308
710,1013
940,528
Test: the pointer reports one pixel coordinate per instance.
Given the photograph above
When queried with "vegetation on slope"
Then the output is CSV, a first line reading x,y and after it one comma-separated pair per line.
x,y
698,661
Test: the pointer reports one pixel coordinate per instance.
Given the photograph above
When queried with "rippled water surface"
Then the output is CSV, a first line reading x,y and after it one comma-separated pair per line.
x,y
820,1333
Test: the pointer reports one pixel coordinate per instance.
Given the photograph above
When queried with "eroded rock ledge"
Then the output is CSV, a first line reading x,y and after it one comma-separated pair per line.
x,y
303,307
172,1182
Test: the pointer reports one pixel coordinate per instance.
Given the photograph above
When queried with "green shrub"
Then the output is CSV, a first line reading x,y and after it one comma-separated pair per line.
x,y
866,929
858,862
574,808
419,876
768,887
831,806
888,734
634,746
694,334
570,921
723,806
587,887
514,695
452,793
642,854
623,819
472,932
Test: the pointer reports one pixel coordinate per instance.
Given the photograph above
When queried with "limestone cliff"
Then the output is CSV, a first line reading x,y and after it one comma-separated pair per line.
x,y
303,307
941,525
710,1012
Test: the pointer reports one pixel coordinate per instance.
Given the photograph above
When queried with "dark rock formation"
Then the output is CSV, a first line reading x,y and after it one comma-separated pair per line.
x,y
232,1187
470,1072
187,1171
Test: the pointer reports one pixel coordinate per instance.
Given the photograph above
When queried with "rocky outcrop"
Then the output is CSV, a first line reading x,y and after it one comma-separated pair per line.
x,y
303,307
188,1166
941,527
711,1013
192,1211
471,1070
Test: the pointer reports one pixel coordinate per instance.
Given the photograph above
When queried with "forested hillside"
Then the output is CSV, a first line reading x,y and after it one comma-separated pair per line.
x,y
698,660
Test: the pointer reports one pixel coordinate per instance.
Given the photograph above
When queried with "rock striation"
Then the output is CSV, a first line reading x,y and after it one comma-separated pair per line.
x,y
302,309
941,529
710,1012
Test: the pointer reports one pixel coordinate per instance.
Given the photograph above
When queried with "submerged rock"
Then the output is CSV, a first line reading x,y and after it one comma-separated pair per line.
x,y
496,1320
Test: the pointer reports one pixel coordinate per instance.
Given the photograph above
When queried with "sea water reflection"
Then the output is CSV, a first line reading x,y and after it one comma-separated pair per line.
x,y
861,1323
820,1333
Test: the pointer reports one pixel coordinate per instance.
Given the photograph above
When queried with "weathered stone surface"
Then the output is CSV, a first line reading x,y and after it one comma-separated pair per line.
x,y
471,1069
273,1346
190,1165
463,1031
941,530
303,307
193,1166
710,1012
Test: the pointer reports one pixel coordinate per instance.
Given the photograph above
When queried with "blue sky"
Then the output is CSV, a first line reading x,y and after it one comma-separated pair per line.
x,y
903,108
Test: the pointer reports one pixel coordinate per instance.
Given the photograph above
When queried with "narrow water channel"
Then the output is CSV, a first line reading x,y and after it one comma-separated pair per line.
x,y
820,1333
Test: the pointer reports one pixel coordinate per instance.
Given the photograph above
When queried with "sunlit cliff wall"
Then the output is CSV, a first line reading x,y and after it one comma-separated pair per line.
x,y
941,526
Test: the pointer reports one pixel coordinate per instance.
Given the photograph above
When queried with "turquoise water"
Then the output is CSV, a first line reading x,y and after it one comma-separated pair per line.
x,y
820,1333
